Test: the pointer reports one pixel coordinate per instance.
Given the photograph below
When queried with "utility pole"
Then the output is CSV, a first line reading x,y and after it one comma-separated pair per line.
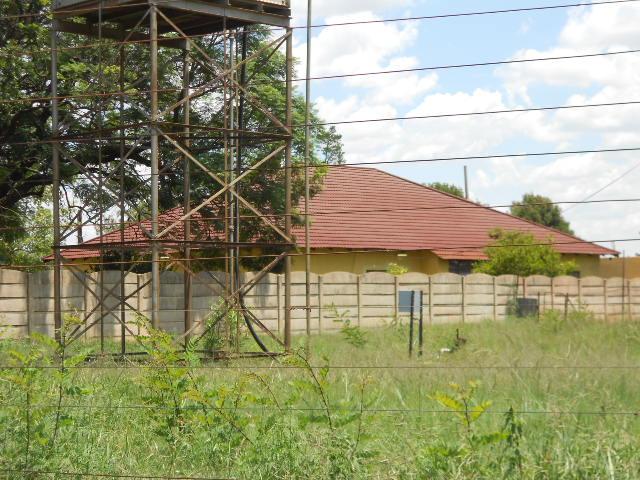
x,y
466,182
307,165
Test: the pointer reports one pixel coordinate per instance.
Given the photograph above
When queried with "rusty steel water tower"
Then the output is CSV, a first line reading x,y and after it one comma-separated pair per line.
x,y
166,135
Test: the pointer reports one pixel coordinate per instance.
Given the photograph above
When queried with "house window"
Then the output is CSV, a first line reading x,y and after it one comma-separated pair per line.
x,y
461,267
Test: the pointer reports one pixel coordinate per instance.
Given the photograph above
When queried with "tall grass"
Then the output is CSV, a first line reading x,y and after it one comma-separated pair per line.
x,y
549,399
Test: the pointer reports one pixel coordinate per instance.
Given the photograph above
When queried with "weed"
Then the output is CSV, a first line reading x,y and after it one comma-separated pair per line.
x,y
352,334
512,453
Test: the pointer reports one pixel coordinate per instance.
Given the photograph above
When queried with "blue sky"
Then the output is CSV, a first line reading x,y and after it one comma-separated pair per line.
x,y
583,30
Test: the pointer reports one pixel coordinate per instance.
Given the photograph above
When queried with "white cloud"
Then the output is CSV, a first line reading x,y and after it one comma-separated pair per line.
x,y
327,8
598,29
369,48
410,139
359,48
601,26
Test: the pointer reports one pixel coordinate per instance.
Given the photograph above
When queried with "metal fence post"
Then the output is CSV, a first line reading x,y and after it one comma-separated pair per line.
x,y
411,315
421,326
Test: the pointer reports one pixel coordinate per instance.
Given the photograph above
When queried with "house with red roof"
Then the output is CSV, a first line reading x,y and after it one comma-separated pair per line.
x,y
364,219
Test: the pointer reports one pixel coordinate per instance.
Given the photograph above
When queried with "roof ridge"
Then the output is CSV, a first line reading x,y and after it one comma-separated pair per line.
x,y
466,200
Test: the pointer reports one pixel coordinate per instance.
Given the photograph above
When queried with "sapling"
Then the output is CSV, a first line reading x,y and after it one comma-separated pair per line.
x,y
171,381
63,373
462,402
315,383
353,335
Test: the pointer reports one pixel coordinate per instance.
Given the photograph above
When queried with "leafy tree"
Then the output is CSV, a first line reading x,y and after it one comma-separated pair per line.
x,y
540,209
28,251
25,124
23,171
449,188
519,253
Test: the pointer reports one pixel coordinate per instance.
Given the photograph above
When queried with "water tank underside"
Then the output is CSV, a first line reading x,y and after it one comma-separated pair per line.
x,y
191,16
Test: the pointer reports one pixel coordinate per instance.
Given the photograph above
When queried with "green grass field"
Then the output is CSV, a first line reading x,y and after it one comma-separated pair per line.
x,y
543,400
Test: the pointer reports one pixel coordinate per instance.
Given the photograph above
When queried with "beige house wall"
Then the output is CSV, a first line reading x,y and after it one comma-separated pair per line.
x,y
617,267
423,261
360,262
588,265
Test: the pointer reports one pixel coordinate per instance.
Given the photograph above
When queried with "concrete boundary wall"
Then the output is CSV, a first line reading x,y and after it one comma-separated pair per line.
x,y
369,300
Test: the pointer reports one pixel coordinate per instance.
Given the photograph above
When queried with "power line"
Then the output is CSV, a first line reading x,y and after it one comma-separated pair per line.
x,y
468,14
383,311
401,411
611,183
337,367
429,160
320,213
471,114
350,23
384,119
481,157
331,77
470,65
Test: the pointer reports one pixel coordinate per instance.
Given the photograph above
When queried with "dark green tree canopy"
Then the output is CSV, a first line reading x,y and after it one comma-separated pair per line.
x,y
540,209
449,188
519,253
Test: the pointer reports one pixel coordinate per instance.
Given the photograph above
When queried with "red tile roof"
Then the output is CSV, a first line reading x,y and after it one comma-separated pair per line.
x,y
368,209
378,210
136,235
